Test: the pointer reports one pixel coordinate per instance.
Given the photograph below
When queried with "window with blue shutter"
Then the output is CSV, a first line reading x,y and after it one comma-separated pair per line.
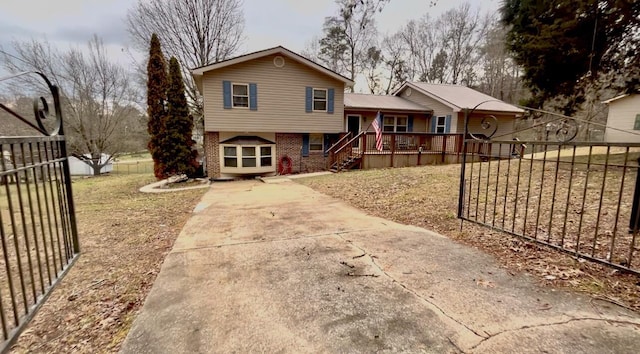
x,y
305,145
410,124
330,100
309,100
434,121
253,97
447,128
226,94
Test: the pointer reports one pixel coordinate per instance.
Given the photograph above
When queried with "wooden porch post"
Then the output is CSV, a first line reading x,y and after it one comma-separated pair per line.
x,y
444,146
393,147
363,150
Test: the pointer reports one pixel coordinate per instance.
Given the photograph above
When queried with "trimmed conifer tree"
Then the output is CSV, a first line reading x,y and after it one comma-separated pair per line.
x,y
156,105
178,143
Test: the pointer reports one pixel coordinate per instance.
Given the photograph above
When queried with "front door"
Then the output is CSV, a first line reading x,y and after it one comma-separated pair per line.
x,y
353,126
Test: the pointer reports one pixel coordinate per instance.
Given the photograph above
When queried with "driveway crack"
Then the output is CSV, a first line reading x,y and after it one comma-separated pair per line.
x,y
424,299
550,324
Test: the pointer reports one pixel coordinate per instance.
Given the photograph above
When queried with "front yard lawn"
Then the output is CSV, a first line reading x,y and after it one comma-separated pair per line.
x,y
124,237
428,197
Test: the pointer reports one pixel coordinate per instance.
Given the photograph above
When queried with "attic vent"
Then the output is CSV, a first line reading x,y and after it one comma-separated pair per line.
x,y
278,61
407,92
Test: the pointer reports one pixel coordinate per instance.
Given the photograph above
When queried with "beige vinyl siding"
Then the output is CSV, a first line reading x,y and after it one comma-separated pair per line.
x,y
439,109
506,125
281,99
622,115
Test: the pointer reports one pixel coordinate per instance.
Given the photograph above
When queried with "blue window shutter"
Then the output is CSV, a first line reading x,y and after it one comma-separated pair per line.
x,y
434,121
226,94
447,128
305,145
330,99
326,144
253,97
309,100
410,124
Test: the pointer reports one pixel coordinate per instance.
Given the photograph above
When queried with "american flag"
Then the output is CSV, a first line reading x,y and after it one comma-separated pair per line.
x,y
377,126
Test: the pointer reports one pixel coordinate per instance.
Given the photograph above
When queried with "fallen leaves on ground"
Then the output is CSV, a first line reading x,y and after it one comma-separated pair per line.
x,y
428,197
124,237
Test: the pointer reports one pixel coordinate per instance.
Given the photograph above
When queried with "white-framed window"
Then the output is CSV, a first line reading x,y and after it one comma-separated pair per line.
x,y
247,156
240,95
395,124
230,156
266,156
636,125
316,142
441,124
320,100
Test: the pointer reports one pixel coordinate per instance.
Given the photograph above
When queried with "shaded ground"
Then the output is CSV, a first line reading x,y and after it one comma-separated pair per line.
x,y
427,197
124,237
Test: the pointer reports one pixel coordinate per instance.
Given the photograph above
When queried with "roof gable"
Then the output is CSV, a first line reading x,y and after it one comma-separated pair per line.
x,y
197,73
460,97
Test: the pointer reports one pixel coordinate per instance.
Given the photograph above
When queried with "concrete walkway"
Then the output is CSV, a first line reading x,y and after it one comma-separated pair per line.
x,y
281,268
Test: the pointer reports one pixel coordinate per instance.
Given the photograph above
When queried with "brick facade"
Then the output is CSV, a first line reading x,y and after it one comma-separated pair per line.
x,y
287,144
291,146
212,152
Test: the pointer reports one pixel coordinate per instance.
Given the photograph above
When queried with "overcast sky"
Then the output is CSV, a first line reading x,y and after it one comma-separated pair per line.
x,y
268,23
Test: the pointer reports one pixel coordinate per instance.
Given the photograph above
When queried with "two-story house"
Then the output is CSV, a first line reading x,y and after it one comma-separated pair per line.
x,y
267,112
274,111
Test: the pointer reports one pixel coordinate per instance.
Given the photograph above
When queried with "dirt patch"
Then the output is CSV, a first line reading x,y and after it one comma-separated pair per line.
x,y
428,197
124,237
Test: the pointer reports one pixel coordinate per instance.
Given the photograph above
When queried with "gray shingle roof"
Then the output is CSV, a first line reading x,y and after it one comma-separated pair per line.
x,y
461,97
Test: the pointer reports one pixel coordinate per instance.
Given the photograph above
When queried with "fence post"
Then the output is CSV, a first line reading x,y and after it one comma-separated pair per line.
x,y
633,219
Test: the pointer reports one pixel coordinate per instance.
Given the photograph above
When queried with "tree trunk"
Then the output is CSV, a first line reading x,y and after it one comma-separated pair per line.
x,y
96,168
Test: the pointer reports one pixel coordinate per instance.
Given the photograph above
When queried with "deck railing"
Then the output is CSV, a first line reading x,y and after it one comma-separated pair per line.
x,y
432,144
408,143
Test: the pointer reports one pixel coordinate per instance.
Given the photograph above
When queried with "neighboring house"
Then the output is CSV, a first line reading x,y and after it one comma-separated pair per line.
x,y
623,121
274,111
269,111
77,167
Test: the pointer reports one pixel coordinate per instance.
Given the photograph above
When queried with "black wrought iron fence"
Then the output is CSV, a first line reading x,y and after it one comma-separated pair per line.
x,y
39,239
582,198
576,197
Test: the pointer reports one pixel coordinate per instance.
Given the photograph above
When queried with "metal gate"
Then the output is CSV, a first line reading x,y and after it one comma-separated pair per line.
x,y
37,219
581,198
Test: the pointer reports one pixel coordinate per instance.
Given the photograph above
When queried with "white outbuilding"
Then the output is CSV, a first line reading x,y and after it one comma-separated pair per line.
x,y
623,121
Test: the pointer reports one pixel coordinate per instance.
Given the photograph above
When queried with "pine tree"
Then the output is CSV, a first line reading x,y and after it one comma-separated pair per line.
x,y
156,110
178,144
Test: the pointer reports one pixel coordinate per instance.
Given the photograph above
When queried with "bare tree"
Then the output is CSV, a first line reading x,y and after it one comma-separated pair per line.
x,y
348,36
461,32
419,36
196,32
386,68
99,99
394,52
501,76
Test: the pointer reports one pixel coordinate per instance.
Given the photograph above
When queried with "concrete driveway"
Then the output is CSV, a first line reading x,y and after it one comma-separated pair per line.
x,y
281,268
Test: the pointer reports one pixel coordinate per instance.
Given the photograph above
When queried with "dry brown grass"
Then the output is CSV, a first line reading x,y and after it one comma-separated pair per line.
x,y
124,237
428,197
